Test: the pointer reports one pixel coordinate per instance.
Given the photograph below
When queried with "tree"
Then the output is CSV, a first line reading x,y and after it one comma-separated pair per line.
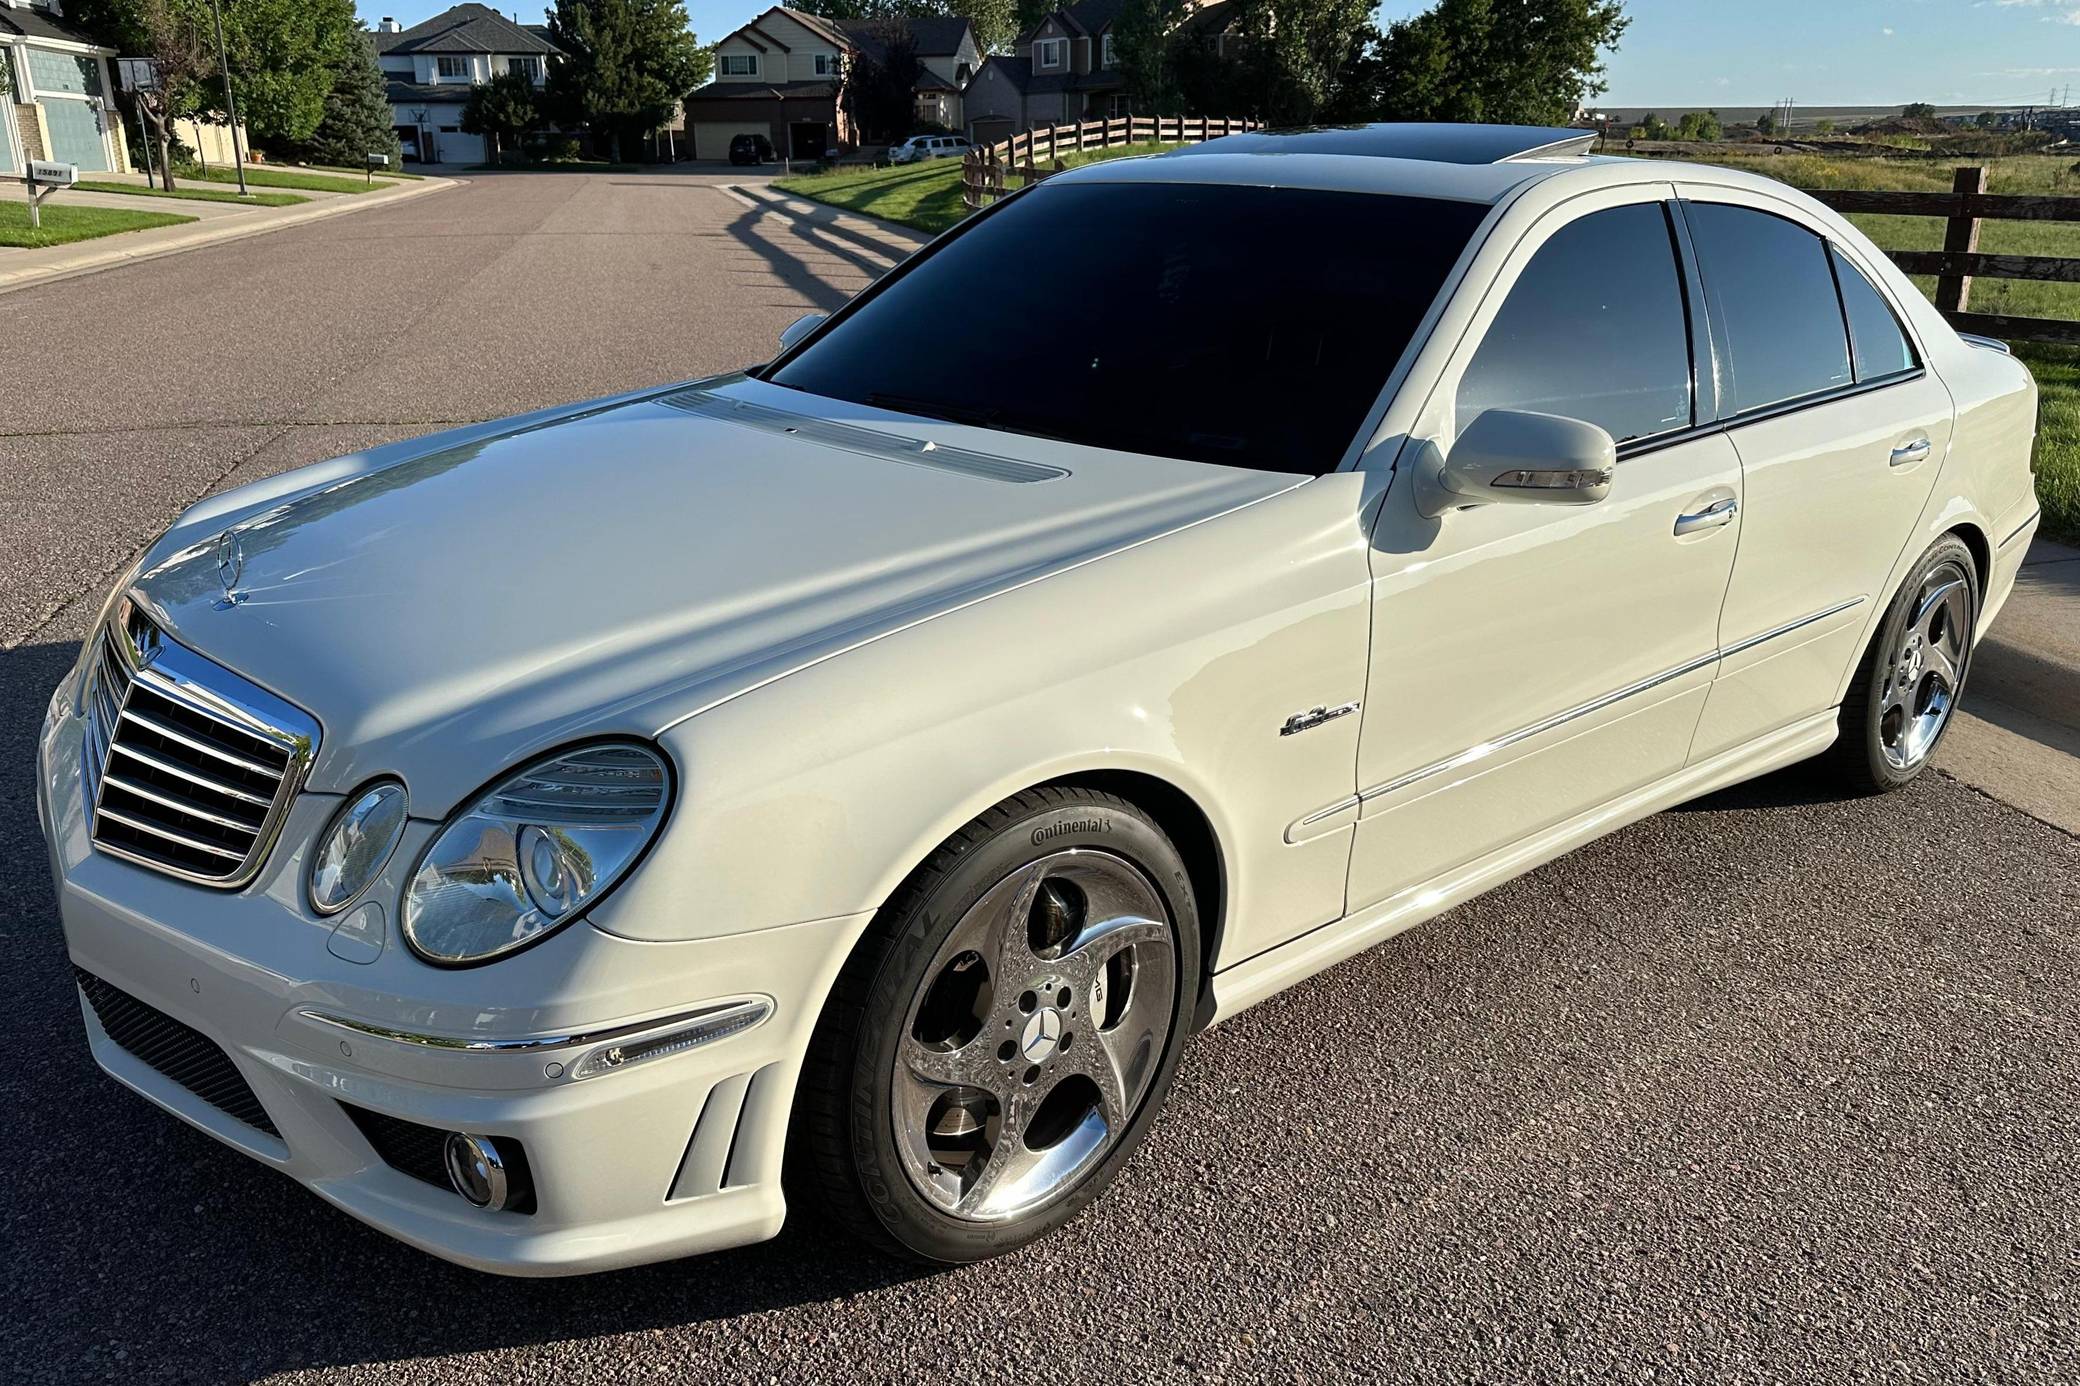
x,y
504,108
1148,57
1528,62
1917,110
285,60
996,22
1825,127
356,122
1766,123
626,65
1653,127
1699,125
880,88
1292,51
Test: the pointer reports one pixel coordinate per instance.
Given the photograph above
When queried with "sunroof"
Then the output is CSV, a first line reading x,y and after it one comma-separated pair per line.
x,y
1442,144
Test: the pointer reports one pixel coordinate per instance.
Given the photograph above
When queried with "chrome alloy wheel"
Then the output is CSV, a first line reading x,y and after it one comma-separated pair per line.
x,y
1039,1027
1924,669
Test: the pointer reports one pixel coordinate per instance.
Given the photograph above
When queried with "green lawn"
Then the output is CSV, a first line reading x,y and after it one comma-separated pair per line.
x,y
62,224
391,172
283,178
2057,368
265,199
927,195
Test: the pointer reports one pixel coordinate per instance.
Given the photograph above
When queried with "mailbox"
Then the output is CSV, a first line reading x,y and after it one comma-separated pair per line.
x,y
52,175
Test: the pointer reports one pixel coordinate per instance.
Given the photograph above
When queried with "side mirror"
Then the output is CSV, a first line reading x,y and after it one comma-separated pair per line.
x,y
1509,456
800,328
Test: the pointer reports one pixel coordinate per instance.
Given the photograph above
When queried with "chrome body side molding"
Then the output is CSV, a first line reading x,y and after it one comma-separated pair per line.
x,y
1560,719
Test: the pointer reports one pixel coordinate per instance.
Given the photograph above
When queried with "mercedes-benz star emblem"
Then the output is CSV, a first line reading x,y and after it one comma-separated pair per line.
x,y
231,566
1042,1034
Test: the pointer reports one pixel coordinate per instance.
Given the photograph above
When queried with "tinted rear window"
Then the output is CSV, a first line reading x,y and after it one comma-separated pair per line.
x,y
1247,326
1772,291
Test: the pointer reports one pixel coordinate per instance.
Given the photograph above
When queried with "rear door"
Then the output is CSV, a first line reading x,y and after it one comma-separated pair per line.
x,y
1531,663
1840,431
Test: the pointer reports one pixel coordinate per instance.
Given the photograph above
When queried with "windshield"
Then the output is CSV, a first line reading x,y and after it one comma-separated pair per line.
x,y
1246,326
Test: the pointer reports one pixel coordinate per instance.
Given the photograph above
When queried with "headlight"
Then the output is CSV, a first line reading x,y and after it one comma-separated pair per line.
x,y
534,851
355,846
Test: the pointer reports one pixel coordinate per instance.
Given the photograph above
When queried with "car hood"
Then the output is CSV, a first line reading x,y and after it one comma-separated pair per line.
x,y
448,607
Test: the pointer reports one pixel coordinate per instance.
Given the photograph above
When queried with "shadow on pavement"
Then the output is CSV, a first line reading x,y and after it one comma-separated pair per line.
x,y
157,1252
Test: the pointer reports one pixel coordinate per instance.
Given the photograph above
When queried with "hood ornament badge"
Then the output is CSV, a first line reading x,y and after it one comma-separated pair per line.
x,y
231,567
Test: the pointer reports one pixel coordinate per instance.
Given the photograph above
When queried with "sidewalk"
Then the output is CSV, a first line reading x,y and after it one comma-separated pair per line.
x,y
215,222
2017,735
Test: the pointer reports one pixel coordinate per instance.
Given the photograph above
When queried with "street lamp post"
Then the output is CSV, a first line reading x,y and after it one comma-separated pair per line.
x,y
238,154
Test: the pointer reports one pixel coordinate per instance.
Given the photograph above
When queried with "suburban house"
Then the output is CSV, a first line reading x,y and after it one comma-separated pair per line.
x,y
1060,72
431,66
778,76
782,76
61,105
947,56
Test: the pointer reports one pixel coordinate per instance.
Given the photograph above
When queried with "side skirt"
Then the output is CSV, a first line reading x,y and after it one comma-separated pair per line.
x,y
1245,983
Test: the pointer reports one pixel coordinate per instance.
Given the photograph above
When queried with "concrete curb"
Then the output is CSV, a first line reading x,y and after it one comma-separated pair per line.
x,y
97,255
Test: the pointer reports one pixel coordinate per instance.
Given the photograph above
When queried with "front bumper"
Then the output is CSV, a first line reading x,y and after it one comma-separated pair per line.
x,y
628,1167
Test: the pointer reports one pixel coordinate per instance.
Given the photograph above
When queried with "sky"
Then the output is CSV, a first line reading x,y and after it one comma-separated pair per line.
x,y
1688,53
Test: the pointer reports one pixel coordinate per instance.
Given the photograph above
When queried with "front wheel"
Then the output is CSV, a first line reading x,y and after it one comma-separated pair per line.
x,y
996,1046
1900,703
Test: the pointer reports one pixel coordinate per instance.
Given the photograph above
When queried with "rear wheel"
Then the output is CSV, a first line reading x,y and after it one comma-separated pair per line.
x,y
1901,701
1000,1040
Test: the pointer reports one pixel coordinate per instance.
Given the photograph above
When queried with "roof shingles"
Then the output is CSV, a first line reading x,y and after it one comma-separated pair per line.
x,y
467,29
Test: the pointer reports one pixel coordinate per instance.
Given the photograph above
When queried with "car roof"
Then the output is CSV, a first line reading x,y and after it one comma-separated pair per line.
x,y
1467,163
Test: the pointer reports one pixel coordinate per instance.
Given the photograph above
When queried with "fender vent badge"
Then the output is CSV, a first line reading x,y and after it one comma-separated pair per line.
x,y
1314,717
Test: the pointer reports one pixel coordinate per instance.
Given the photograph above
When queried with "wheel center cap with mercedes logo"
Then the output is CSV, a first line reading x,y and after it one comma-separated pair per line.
x,y
1042,1035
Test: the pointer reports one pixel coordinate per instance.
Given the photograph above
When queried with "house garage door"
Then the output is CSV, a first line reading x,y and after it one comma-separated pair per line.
x,y
711,137
457,147
75,132
990,129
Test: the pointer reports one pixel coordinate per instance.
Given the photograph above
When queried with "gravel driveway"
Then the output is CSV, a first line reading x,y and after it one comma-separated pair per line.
x,y
1772,1088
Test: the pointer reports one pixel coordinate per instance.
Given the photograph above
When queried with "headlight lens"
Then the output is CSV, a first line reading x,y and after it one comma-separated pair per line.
x,y
534,851
355,846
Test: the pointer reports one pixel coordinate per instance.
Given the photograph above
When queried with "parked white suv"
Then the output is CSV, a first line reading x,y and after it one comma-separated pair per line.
x,y
920,147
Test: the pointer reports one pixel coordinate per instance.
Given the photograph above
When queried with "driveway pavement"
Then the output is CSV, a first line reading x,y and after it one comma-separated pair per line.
x,y
1773,1088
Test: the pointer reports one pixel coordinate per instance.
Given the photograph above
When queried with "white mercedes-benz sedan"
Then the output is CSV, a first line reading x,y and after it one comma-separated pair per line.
x,y
878,764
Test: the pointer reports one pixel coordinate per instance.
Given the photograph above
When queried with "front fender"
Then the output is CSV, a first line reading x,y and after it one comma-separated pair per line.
x,y
1180,658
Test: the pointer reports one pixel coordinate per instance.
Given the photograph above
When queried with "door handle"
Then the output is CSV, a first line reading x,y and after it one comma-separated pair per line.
x,y
1719,512
1907,454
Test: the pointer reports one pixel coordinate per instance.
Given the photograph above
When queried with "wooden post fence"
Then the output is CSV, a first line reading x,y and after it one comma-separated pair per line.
x,y
1963,208
1036,154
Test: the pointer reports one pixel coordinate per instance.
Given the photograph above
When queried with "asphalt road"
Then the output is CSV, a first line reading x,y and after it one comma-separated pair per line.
x,y
1773,1088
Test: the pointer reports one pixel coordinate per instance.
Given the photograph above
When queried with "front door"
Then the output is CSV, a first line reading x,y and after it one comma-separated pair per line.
x,y
1840,433
1533,661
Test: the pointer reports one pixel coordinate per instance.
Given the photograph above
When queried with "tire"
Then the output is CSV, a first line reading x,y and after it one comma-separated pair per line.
x,y
1902,699
1029,984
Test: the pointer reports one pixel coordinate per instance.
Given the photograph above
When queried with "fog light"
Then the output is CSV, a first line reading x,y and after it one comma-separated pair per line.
x,y
476,1170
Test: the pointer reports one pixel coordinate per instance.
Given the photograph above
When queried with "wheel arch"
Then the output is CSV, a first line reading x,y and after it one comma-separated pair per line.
x,y
1189,829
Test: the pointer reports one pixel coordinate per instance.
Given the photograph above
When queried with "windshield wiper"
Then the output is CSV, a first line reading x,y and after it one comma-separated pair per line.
x,y
934,409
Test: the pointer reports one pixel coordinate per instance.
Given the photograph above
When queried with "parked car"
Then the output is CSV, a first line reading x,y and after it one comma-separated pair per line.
x,y
919,147
526,835
750,149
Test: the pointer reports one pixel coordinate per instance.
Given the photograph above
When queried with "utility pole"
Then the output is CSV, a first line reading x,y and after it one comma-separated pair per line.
x,y
238,154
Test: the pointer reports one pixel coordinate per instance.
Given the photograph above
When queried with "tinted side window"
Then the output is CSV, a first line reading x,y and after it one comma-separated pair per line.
x,y
1772,293
1876,340
1594,329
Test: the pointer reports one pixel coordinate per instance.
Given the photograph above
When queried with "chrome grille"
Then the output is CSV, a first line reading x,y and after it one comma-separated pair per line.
x,y
190,767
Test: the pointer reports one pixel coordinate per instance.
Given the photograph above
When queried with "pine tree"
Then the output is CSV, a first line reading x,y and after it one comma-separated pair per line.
x,y
357,117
